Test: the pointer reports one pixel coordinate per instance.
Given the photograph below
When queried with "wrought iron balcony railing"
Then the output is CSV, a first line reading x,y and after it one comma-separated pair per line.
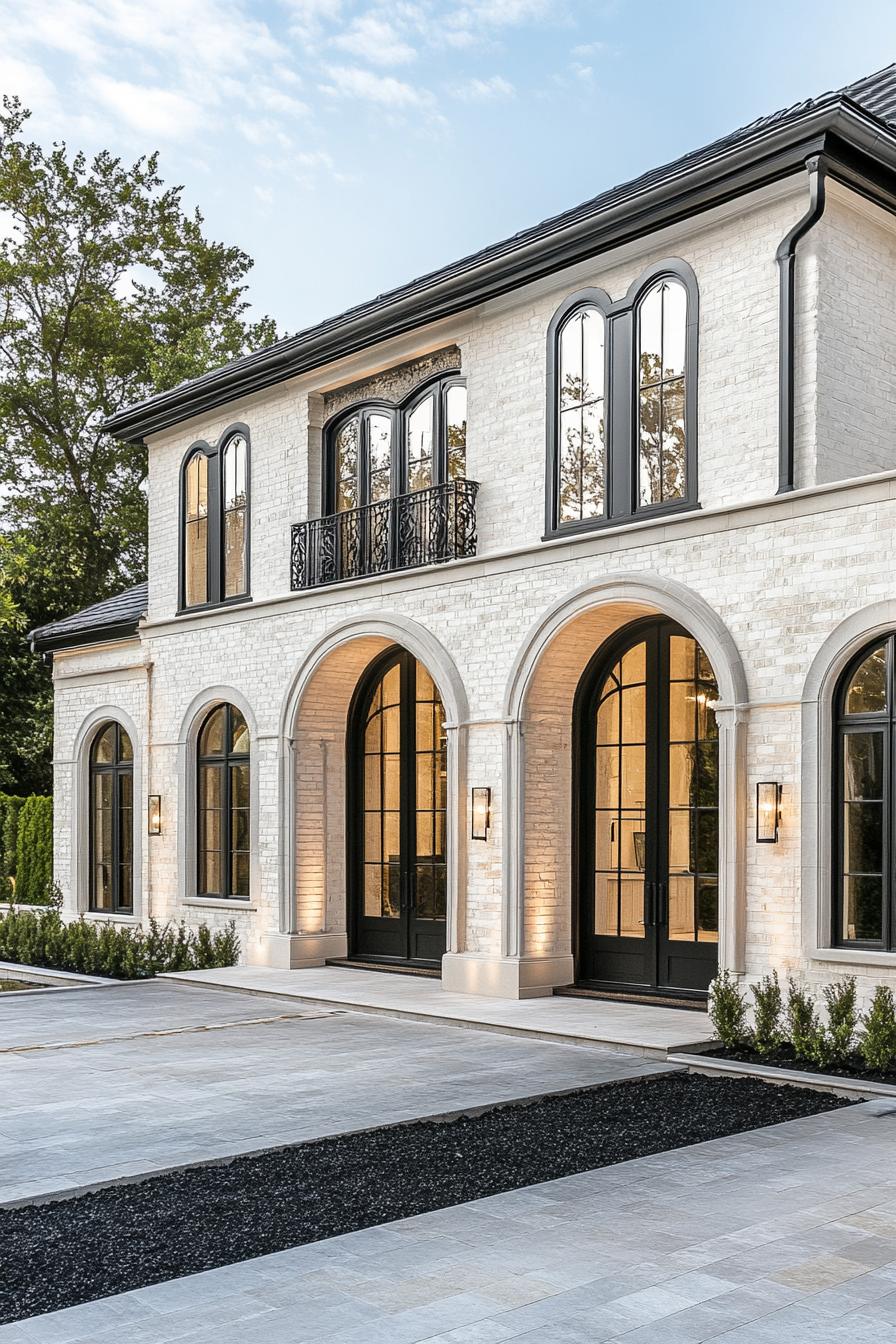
x,y
420,528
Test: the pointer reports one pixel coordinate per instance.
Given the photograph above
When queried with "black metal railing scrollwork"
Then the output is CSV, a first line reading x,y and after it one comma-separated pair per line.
x,y
424,527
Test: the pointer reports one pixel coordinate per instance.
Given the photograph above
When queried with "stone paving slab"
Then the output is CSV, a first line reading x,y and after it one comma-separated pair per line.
x,y
130,1101
781,1234
639,1027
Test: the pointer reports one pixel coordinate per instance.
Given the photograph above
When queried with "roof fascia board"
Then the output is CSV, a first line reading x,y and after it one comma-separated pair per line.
x,y
772,153
77,639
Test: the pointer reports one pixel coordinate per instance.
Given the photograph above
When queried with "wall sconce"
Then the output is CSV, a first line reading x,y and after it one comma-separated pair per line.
x,y
768,812
154,814
482,808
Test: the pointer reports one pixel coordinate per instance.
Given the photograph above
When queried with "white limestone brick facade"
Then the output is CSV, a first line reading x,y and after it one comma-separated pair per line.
x,y
779,590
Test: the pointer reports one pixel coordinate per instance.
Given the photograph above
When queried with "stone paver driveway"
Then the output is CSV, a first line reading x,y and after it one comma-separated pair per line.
x,y
103,1083
785,1235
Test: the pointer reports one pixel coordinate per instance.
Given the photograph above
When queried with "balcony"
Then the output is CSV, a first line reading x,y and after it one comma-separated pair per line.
x,y
424,527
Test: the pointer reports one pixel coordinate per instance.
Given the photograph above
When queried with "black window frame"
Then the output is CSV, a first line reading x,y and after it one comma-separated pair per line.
x,y
845,724
117,768
399,413
224,760
214,557
621,401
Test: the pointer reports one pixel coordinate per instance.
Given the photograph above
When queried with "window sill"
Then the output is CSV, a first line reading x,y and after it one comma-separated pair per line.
x,y
589,525
855,956
201,607
110,917
219,903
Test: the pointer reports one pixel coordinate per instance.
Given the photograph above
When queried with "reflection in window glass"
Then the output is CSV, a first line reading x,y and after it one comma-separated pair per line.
x,y
456,431
419,444
347,466
379,432
581,409
235,507
662,333
196,531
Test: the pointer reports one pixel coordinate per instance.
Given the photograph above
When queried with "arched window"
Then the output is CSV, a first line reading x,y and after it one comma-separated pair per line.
x,y
223,804
112,821
863,792
378,451
622,402
662,428
196,530
215,522
581,403
235,505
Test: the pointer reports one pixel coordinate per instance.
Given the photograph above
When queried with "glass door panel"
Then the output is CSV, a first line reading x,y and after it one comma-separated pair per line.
x,y
399,888
649,839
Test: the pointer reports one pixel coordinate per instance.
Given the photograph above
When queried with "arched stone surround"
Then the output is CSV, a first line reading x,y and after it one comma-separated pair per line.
x,y
537,951
312,784
816,810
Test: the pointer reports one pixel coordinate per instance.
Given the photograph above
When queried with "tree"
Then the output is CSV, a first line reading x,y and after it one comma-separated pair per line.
x,y
109,292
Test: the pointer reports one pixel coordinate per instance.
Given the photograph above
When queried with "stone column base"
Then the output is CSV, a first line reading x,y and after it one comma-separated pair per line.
x,y
298,951
505,977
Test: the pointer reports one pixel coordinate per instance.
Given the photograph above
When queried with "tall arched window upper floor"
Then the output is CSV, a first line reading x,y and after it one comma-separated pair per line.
x,y
622,402
377,450
214,522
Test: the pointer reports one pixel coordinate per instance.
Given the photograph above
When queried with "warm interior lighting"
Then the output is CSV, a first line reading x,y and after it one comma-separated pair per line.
x,y
154,814
482,806
768,812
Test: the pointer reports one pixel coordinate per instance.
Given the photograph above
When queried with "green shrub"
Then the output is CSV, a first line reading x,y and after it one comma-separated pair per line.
x,y
728,1011
768,1006
10,807
803,1027
34,851
41,938
877,1044
843,1019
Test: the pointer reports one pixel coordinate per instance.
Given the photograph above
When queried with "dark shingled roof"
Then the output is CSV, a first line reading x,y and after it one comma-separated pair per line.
x,y
115,618
874,94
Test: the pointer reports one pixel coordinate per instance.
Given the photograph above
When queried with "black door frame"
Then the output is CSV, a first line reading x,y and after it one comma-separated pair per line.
x,y
655,631
407,935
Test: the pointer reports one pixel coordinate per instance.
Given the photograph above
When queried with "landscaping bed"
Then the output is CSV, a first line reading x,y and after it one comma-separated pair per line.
x,y
785,1057
201,1217
10,986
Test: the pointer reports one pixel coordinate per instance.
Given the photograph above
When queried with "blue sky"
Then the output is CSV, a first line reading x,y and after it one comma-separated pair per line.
x,y
350,145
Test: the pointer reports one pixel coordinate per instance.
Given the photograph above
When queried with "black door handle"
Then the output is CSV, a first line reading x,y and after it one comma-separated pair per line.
x,y
662,905
649,904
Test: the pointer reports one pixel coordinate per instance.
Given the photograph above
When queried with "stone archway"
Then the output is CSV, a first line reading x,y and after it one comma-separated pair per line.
x,y
537,896
313,783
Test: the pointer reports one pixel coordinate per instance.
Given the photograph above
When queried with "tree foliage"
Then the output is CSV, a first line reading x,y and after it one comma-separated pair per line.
x,y
109,293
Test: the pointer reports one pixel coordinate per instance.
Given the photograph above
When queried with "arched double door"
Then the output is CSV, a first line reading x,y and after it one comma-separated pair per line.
x,y
397,815
648,813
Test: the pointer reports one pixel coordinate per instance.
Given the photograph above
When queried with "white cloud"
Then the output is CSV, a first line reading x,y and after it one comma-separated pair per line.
x,y
374,39
485,90
351,82
152,111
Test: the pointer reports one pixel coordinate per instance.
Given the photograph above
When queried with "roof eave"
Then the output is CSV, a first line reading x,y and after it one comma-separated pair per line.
x,y
774,152
77,639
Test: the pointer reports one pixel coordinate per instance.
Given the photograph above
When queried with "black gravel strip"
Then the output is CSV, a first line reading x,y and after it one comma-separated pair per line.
x,y
785,1057
126,1236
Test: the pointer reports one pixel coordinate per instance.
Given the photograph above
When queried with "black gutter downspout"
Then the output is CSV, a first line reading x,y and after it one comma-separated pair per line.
x,y
786,259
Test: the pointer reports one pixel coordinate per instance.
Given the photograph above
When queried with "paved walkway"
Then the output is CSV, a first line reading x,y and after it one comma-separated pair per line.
x,y
103,1083
786,1234
630,1026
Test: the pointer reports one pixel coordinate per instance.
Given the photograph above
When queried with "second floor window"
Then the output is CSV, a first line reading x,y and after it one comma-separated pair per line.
x,y
621,416
377,451
215,522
